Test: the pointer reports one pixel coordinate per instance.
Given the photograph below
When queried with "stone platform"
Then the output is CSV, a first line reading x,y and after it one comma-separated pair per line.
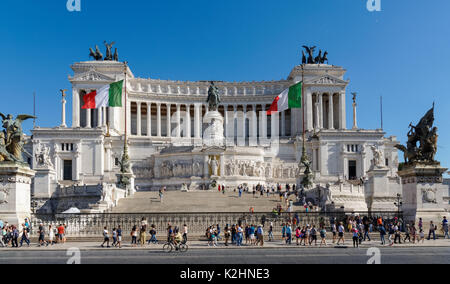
x,y
199,201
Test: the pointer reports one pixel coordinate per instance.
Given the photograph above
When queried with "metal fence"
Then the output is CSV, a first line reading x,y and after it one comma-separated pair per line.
x,y
86,225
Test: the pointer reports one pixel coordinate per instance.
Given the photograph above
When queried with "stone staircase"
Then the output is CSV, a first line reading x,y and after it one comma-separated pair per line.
x,y
198,201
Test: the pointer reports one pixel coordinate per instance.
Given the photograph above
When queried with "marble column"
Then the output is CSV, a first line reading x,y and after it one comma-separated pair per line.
x,y
283,123
108,161
75,108
253,141
158,119
99,117
168,122
330,112
342,118
149,119
274,126
88,118
355,122
63,111
188,121
197,122
320,111
138,119
225,112
317,114
178,117
309,111
263,130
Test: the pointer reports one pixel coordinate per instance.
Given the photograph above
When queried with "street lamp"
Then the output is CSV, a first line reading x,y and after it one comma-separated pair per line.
x,y
399,204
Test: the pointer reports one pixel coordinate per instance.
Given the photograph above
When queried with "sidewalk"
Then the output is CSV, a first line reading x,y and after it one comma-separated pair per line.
x,y
204,245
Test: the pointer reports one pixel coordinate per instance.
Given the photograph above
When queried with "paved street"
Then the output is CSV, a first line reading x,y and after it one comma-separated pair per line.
x,y
283,255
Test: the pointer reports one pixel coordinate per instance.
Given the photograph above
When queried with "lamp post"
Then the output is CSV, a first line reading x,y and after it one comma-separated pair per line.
x,y
399,204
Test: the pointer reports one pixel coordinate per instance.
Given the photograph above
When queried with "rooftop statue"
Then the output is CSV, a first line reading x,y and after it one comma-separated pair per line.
x,y
11,139
421,146
97,55
109,55
213,97
319,59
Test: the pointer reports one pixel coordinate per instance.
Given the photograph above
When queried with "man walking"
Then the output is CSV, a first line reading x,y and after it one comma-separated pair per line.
x,y
432,231
445,228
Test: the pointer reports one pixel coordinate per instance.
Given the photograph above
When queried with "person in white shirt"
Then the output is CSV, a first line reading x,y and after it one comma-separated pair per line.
x,y
51,235
341,233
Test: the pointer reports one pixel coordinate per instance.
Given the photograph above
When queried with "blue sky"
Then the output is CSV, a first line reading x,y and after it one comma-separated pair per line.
x,y
401,52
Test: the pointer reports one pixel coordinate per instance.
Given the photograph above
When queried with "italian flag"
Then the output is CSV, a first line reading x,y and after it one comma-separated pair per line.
x,y
109,95
289,98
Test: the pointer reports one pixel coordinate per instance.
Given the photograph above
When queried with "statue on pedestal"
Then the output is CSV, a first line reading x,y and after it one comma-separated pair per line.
x,y
12,137
426,135
213,97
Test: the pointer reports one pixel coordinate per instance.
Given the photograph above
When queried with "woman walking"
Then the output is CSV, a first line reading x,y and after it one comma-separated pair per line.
x,y
133,235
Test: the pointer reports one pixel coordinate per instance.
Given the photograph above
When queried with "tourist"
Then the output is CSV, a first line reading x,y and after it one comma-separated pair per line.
x,y
413,231
288,234
142,232
227,234
298,235
252,231
355,237
218,232
14,237
421,236
25,235
323,236
341,234
41,232
119,237
178,239
152,235
382,231
233,234
240,191
303,237
105,238
223,189
61,232
391,232
397,235
407,233
283,233
3,233
313,237
271,232
133,235
420,224
445,228
51,235
260,235
185,233
334,231
366,231
161,194
240,236
432,231
114,237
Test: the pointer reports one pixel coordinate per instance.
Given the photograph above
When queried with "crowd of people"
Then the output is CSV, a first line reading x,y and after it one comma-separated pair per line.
x,y
392,230
12,236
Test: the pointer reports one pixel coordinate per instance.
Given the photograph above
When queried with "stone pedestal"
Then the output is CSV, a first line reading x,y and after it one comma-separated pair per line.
x,y
44,183
15,192
423,193
377,193
214,132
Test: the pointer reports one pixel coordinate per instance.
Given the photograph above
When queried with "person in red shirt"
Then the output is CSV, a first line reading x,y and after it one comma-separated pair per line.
x,y
61,234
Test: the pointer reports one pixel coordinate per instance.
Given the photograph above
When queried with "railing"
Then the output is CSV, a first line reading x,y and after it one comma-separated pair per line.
x,y
86,225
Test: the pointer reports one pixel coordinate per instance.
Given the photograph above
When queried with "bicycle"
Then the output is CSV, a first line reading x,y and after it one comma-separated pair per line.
x,y
169,246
